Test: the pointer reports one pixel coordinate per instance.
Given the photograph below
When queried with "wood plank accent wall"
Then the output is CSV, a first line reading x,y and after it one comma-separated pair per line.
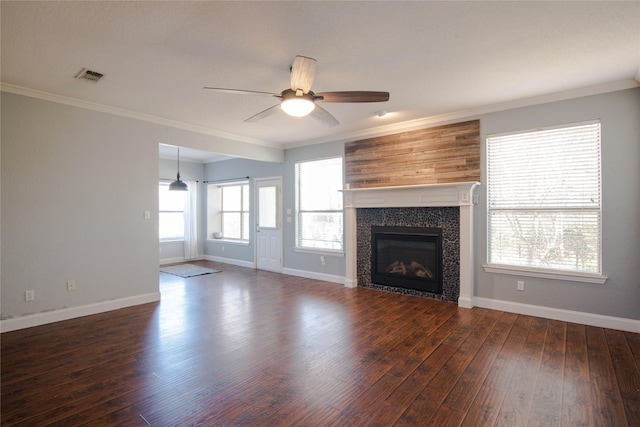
x,y
437,155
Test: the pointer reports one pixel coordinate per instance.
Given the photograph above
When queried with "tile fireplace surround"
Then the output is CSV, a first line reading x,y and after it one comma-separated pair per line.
x,y
429,195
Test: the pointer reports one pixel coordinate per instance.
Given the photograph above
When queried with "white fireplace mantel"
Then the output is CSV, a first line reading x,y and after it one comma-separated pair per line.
x,y
428,195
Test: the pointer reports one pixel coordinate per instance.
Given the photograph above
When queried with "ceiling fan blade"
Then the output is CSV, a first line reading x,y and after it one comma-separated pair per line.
x,y
354,96
240,91
324,116
262,114
303,71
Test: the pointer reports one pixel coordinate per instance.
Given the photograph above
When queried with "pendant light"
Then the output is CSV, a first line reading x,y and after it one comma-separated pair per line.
x,y
178,185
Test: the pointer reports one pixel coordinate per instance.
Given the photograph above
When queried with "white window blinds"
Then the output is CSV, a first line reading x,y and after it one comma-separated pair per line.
x,y
544,201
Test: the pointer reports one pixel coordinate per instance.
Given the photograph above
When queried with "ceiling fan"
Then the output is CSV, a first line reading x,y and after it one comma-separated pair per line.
x,y
300,101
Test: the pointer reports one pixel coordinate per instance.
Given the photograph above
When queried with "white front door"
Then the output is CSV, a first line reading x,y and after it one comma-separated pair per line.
x,y
269,224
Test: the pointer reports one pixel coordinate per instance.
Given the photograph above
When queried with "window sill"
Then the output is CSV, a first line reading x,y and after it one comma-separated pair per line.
x,y
232,242
172,241
327,252
545,274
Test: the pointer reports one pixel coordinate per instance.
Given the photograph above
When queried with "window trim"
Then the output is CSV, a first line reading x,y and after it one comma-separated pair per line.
x,y
219,187
298,212
541,272
598,279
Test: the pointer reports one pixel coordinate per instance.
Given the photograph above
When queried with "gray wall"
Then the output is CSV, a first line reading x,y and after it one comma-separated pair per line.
x,y
75,185
619,113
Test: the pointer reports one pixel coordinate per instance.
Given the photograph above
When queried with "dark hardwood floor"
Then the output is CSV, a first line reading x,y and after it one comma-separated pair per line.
x,y
246,347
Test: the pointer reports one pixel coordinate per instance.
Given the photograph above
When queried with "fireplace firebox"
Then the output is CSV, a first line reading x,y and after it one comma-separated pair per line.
x,y
407,257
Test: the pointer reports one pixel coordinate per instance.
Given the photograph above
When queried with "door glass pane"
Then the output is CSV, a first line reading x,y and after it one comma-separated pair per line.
x,y
267,205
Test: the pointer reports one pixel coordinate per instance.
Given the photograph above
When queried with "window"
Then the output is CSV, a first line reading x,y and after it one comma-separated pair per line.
x,y
228,211
319,205
171,213
544,204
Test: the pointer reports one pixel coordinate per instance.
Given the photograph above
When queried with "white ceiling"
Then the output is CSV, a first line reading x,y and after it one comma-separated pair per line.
x,y
435,58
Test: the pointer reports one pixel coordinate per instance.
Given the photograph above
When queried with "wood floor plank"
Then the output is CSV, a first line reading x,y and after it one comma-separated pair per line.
x,y
546,409
627,374
576,390
634,345
463,393
248,347
488,401
445,374
605,393
516,405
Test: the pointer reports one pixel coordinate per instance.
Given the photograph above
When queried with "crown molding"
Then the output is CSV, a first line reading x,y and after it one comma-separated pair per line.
x,y
453,117
405,126
48,96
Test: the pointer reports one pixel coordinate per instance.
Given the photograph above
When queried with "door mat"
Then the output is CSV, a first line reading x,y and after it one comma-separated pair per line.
x,y
188,270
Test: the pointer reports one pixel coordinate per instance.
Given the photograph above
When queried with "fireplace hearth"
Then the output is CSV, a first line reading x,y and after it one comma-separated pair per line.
x,y
407,257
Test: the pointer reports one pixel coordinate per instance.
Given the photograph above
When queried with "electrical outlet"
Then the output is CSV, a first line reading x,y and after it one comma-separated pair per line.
x,y
71,285
29,295
520,285
323,260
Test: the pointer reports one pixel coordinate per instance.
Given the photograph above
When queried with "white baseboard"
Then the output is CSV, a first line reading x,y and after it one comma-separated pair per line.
x,y
164,261
231,261
314,275
465,302
598,320
350,283
38,319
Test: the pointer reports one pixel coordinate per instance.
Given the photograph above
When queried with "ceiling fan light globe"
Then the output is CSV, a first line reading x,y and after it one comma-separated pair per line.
x,y
297,107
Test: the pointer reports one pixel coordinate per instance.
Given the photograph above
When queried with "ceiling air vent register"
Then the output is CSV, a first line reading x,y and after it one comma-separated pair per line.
x,y
86,74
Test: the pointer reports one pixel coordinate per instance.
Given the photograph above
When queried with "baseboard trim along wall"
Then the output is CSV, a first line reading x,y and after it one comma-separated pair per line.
x,y
239,263
590,319
165,261
38,319
597,320
314,275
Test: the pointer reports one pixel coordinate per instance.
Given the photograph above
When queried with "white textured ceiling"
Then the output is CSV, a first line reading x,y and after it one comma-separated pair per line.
x,y
435,58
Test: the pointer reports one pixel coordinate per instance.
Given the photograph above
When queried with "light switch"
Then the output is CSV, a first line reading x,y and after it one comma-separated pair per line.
x,y
147,214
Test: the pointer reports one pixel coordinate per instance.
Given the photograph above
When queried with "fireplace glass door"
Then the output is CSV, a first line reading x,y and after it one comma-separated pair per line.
x,y
407,257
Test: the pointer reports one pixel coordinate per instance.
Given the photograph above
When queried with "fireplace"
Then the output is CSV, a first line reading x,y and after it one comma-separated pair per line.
x,y
407,257
403,206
